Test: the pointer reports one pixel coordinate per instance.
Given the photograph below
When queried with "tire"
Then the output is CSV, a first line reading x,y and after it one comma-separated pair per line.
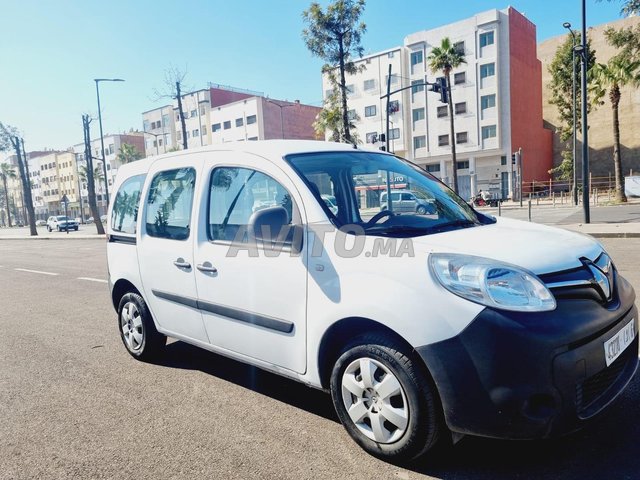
x,y
414,407
421,210
59,228
134,317
48,228
76,229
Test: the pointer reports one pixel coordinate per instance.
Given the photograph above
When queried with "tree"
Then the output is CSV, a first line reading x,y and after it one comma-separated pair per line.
x,y
128,154
330,120
618,72
443,59
629,7
9,137
173,88
335,36
83,173
627,40
7,172
561,69
88,171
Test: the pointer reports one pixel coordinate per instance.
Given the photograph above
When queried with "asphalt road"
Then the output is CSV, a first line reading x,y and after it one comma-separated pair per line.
x,y
74,404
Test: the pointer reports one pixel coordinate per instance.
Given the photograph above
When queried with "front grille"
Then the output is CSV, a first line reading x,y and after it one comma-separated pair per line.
x,y
594,387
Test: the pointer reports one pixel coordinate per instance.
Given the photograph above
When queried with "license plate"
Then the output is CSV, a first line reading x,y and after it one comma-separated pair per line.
x,y
617,344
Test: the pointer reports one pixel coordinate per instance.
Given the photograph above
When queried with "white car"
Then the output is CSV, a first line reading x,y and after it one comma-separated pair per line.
x,y
423,327
61,223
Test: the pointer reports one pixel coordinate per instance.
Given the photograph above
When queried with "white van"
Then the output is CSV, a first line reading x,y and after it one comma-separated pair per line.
x,y
422,327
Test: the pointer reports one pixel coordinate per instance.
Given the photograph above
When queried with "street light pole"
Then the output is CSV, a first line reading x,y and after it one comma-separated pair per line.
x,y
104,162
574,192
584,62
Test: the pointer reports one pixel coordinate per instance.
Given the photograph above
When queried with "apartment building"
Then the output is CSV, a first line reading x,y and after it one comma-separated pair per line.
x,y
221,114
14,186
497,98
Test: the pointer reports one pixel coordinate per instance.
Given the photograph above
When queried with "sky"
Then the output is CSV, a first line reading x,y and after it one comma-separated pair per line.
x,y
50,52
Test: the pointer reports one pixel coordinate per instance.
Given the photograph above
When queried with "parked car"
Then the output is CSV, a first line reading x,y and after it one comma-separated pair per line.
x,y
61,223
407,201
422,327
89,220
40,223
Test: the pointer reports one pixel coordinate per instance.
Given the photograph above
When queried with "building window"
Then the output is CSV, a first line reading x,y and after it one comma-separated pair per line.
x,y
419,142
418,86
462,137
215,127
443,111
372,137
461,107
487,101
433,168
251,119
394,79
202,110
463,165
488,132
487,70
443,140
351,114
111,149
350,89
369,84
486,39
394,134
460,77
418,114
394,106
370,111
195,133
239,122
203,128
416,57
459,47
165,120
194,113
503,160
252,138
227,125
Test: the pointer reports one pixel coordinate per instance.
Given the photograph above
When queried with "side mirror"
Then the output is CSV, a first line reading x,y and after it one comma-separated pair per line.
x,y
270,227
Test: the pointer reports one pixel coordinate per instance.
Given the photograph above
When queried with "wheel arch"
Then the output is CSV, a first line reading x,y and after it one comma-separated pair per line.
x,y
120,289
342,332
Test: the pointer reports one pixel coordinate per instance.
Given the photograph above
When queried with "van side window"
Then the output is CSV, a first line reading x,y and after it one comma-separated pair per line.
x,y
125,207
235,194
168,209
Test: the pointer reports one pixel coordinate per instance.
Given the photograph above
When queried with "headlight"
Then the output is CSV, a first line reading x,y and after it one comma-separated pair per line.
x,y
491,283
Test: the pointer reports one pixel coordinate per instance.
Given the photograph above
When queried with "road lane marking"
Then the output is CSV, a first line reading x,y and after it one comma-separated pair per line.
x,y
34,271
89,279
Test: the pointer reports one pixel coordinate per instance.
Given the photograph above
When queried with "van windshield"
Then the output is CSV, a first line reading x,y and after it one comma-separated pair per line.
x,y
362,183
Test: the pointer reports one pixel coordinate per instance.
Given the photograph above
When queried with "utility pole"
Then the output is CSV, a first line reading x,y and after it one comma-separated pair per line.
x,y
585,141
181,113
26,187
91,188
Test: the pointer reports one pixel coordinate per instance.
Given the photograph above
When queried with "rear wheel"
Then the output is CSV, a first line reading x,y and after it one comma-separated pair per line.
x,y
385,401
137,330
421,210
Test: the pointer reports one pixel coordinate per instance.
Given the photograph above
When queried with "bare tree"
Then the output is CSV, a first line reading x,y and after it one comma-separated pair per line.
x,y
91,186
173,88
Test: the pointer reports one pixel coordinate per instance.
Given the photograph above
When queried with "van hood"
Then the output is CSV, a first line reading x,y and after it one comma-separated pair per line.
x,y
538,248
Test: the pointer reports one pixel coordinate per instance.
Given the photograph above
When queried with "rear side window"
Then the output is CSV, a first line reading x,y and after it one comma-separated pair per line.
x,y
125,207
236,193
168,209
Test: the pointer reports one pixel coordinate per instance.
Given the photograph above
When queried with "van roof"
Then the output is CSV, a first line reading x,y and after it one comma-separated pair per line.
x,y
268,148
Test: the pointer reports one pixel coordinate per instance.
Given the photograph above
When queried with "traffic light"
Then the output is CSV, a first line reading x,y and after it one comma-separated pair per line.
x,y
444,94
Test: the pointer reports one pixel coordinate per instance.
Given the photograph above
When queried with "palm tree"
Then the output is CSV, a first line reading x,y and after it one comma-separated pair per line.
x,y
443,59
7,171
128,154
615,74
98,175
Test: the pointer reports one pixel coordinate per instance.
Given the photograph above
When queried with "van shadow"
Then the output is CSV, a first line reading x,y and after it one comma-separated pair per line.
x,y
605,448
183,355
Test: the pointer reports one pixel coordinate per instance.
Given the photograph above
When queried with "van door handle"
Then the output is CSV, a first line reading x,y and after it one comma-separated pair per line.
x,y
206,267
181,263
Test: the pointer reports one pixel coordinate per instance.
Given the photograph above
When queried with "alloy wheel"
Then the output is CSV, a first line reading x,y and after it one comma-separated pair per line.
x,y
131,326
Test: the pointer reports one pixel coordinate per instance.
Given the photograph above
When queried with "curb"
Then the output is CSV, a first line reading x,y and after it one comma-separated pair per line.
x,y
612,234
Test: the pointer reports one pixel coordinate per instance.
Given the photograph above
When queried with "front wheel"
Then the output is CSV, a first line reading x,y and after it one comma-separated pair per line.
x,y
421,210
137,330
385,401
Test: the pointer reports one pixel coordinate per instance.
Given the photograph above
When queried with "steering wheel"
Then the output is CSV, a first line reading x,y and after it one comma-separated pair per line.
x,y
379,216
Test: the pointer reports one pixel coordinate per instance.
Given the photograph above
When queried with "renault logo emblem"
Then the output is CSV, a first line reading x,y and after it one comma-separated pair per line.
x,y
602,272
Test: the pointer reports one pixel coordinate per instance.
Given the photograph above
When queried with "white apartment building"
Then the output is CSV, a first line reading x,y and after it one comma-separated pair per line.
x,y
496,94
225,114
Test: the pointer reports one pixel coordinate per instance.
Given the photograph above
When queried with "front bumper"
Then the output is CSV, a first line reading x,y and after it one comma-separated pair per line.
x,y
534,375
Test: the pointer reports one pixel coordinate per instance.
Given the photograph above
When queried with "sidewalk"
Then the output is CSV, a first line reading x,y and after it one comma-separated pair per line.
x,y
86,232
606,230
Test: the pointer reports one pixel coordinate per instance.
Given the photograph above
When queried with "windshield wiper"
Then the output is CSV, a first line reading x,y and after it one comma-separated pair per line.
x,y
441,227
